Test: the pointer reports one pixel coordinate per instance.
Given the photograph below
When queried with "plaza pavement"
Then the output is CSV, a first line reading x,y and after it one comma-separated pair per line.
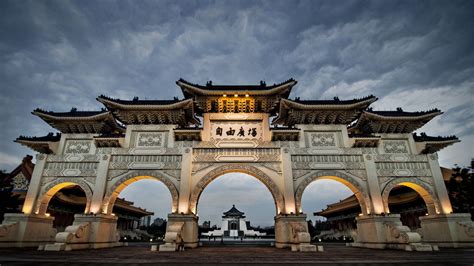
x,y
334,253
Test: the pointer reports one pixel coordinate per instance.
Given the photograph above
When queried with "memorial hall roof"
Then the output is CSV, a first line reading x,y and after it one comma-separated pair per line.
x,y
398,121
400,113
39,144
191,89
80,121
180,112
423,137
431,144
334,111
136,101
233,212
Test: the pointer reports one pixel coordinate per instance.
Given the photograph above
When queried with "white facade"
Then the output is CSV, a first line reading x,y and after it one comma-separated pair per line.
x,y
234,226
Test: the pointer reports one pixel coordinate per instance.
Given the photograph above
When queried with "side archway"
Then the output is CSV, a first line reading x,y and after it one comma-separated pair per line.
x,y
52,188
423,189
360,193
231,168
133,176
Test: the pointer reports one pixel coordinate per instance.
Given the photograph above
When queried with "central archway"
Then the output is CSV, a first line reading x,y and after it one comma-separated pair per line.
x,y
237,168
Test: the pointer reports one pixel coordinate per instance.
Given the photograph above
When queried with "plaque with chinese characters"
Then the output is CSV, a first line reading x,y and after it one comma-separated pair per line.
x,y
236,134
236,130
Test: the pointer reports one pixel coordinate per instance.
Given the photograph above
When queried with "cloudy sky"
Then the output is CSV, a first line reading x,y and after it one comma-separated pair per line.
x,y
61,54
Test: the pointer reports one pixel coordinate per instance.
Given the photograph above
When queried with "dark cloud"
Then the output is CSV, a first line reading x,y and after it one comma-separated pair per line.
x,y
62,54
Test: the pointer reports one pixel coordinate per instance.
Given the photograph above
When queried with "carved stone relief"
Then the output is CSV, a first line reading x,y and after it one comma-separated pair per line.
x,y
395,146
323,140
78,146
150,139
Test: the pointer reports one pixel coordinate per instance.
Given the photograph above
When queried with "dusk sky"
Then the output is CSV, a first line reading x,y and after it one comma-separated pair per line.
x,y
417,55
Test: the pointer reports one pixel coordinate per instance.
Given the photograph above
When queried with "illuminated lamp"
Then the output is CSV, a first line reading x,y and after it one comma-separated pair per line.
x,y
225,95
236,95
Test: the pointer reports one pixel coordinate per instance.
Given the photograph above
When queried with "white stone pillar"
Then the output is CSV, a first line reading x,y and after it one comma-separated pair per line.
x,y
288,190
439,185
35,184
185,181
100,185
375,193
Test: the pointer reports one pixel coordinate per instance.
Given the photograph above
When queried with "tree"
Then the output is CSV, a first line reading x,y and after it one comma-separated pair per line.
x,y
9,202
461,190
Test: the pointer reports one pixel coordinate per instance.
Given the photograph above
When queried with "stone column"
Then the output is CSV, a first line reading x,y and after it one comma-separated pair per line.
x,y
185,181
288,189
35,184
100,185
375,193
439,186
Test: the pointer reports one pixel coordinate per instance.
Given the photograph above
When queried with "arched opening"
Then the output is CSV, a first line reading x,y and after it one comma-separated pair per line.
x,y
236,207
142,208
141,204
332,208
62,201
411,201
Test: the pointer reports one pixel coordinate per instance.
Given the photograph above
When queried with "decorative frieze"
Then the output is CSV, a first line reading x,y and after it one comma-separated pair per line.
x,y
327,162
403,169
70,169
400,158
145,161
236,154
78,146
74,158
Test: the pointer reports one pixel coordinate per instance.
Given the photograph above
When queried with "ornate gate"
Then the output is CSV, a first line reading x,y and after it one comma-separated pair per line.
x,y
368,151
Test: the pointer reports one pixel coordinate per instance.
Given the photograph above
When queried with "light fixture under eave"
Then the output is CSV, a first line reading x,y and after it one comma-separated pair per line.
x,y
246,95
236,95
225,95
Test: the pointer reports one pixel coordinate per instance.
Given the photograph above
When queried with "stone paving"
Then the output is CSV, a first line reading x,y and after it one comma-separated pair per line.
x,y
237,255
